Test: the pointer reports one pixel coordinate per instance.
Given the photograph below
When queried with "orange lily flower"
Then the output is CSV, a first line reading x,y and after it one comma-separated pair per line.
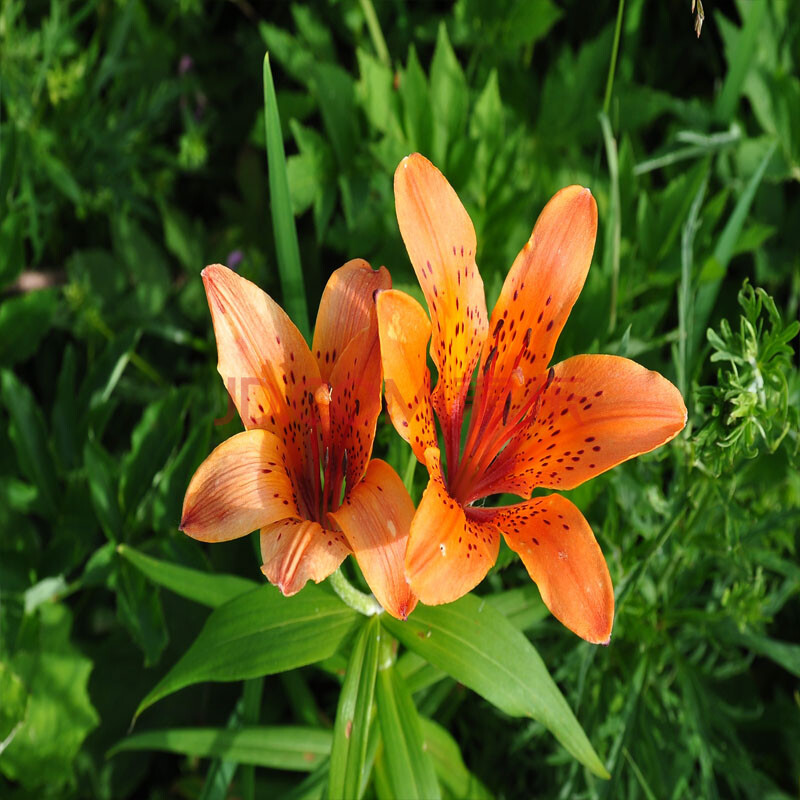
x,y
530,426
301,471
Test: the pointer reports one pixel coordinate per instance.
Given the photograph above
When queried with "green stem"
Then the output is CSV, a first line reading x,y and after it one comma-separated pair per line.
x,y
375,32
612,67
365,604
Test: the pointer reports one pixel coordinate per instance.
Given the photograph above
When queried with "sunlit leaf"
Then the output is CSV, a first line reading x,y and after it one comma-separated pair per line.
x,y
59,713
292,748
409,768
193,584
260,633
353,715
448,763
472,641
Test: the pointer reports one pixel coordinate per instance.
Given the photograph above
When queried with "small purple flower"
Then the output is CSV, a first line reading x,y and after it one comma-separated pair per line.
x,y
234,258
186,64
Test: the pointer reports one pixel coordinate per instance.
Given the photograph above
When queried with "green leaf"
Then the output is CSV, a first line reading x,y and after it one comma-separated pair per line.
x,y
139,610
409,769
168,497
183,238
12,709
335,93
708,290
351,732
99,384
312,171
312,787
29,436
448,763
416,105
376,94
102,471
417,673
288,250
449,96
100,566
153,439
24,321
59,713
12,247
523,606
65,417
786,654
288,51
292,748
740,58
60,175
487,118
98,272
146,265
45,591
474,643
260,633
193,584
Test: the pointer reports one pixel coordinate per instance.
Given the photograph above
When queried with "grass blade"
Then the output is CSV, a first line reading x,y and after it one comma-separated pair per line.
x,y
286,246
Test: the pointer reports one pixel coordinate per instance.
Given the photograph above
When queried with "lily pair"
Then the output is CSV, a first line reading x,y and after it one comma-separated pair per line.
x,y
301,472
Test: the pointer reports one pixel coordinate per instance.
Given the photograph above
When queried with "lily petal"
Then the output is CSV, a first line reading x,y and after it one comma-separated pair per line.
x,y
375,518
296,551
346,308
243,485
559,550
440,240
448,553
356,402
598,412
537,297
265,362
404,332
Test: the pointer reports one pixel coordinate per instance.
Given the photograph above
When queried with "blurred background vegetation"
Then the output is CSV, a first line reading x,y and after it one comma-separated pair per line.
x,y
132,154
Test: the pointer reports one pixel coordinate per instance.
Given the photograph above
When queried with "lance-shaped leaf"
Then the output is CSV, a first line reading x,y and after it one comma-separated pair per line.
x,y
449,764
351,733
294,748
193,584
479,647
260,633
408,767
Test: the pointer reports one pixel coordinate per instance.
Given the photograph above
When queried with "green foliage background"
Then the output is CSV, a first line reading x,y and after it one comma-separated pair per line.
x,y
132,154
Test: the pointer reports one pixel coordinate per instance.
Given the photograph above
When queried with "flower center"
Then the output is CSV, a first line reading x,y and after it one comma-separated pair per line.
x,y
326,466
501,411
